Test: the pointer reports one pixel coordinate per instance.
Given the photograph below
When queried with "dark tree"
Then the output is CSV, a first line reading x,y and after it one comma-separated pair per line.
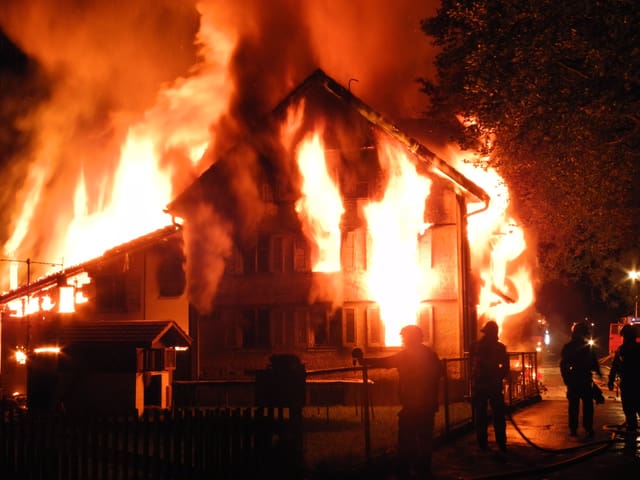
x,y
551,90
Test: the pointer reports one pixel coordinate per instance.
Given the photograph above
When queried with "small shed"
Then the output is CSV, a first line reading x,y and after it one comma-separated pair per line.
x,y
104,366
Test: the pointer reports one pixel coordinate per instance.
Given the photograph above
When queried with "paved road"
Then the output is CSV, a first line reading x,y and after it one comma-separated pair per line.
x,y
539,444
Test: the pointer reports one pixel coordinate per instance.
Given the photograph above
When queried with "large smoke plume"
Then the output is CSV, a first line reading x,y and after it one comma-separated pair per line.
x,y
111,66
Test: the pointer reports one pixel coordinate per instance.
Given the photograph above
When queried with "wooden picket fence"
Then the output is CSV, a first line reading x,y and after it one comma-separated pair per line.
x,y
185,444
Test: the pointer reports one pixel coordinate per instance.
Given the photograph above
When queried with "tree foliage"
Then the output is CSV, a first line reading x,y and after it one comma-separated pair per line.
x,y
551,90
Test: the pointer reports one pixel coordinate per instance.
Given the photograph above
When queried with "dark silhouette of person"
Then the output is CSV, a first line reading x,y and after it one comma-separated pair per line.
x,y
578,362
489,367
419,373
626,366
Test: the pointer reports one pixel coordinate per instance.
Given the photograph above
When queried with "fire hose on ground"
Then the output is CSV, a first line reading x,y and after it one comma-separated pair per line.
x,y
595,448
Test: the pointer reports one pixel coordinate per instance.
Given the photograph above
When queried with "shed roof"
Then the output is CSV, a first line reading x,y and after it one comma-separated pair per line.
x,y
138,333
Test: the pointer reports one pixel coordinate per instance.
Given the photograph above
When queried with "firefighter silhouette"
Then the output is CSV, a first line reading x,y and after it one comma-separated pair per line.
x,y
419,373
489,367
578,362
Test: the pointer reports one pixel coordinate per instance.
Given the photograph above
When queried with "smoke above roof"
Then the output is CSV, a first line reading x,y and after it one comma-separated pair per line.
x,y
109,67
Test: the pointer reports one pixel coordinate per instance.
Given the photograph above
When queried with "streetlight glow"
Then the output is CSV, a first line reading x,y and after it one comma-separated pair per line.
x,y
634,275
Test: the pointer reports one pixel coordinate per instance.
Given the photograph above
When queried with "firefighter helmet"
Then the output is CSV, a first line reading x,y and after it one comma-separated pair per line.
x,y
490,328
629,332
579,329
411,334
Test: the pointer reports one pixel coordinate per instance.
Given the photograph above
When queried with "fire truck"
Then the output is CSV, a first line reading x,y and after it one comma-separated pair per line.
x,y
615,339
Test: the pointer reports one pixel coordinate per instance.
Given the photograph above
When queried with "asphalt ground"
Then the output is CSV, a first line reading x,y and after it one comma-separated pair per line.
x,y
538,443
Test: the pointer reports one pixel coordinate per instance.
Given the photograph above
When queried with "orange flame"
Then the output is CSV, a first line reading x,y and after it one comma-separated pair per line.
x,y
395,279
139,188
320,206
161,155
498,250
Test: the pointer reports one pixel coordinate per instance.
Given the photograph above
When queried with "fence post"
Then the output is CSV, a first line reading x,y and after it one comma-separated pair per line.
x,y
366,412
446,396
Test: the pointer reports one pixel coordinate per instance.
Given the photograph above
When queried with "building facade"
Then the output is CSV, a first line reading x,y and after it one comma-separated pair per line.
x,y
245,269
254,282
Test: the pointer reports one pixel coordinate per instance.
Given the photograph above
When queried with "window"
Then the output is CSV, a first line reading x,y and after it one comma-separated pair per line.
x,y
354,250
282,253
300,256
156,359
257,258
262,253
170,275
349,326
279,254
256,328
375,329
301,333
280,320
234,264
229,319
117,293
326,329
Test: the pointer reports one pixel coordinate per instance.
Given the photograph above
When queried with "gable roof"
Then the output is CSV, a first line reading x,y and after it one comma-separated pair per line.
x,y
320,79
138,333
377,119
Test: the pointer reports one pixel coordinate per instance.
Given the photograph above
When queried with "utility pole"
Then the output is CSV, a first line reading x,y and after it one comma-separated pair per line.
x,y
26,306
634,275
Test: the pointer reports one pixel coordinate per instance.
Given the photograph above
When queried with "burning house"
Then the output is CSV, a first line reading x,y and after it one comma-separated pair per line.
x,y
326,229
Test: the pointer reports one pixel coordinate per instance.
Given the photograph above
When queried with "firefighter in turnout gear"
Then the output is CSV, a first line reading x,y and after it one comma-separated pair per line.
x,y
419,373
489,367
626,366
578,362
